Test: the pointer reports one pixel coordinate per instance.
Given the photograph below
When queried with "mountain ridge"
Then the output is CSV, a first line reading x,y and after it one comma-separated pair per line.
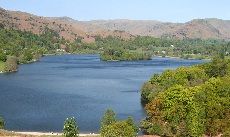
x,y
70,29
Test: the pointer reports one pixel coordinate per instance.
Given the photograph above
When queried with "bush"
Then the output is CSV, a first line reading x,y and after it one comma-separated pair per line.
x,y
2,123
118,129
110,127
108,118
70,128
11,64
2,56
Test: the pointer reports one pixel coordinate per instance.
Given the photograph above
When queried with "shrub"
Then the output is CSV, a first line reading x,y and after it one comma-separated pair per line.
x,y
108,118
110,127
118,129
2,123
11,64
70,128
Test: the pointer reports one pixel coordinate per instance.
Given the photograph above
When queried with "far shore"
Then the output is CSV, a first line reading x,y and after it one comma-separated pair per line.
x,y
175,57
33,61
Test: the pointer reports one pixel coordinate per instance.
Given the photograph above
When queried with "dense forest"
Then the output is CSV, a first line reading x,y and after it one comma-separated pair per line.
x,y
189,101
18,47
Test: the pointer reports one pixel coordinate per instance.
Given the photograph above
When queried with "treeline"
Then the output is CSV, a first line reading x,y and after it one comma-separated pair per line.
x,y
114,48
143,47
189,101
122,55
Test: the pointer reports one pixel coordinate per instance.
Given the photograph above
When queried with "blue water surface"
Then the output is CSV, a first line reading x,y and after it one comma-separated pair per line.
x,y
41,95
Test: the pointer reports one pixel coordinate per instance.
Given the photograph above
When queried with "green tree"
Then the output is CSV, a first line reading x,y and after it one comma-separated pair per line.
x,y
218,67
110,127
11,64
2,123
70,128
108,118
189,101
118,129
2,56
28,56
131,123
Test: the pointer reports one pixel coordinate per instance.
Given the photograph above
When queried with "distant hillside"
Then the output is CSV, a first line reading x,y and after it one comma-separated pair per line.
x,y
64,26
70,29
198,28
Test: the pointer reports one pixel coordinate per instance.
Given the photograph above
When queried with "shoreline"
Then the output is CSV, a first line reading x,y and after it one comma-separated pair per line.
x,y
174,57
34,61
40,133
52,133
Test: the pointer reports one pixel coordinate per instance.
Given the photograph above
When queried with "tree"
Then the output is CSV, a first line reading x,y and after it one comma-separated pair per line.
x,y
28,56
2,56
2,123
110,127
131,123
218,67
11,64
108,118
70,128
118,129
189,101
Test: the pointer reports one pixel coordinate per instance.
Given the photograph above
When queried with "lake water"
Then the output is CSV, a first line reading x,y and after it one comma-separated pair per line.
x,y
41,95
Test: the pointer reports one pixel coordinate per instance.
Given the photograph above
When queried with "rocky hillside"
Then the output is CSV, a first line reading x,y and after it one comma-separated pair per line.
x,y
64,26
70,29
198,28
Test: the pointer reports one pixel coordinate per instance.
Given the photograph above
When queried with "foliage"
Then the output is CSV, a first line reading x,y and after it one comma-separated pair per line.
x,y
11,64
188,101
2,123
2,56
70,128
110,127
218,67
2,66
121,55
108,118
25,45
118,129
190,76
131,123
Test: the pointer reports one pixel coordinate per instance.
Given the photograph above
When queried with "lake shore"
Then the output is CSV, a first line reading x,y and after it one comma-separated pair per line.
x,y
48,134
35,134
174,57
55,134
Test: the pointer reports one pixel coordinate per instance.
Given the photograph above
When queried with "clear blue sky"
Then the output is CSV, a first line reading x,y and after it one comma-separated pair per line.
x,y
162,10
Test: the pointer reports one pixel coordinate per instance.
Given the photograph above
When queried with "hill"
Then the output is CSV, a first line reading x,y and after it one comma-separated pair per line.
x,y
64,26
70,29
210,28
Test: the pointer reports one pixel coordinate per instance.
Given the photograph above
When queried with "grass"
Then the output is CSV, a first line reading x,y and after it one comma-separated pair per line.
x,y
2,66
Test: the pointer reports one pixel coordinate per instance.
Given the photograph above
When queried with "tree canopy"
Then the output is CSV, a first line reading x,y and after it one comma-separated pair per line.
x,y
189,101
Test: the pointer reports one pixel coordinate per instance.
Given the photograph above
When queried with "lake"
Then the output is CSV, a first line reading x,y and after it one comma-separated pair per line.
x,y
41,95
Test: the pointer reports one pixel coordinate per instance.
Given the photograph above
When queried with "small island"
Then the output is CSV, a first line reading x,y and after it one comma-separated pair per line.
x,y
121,55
